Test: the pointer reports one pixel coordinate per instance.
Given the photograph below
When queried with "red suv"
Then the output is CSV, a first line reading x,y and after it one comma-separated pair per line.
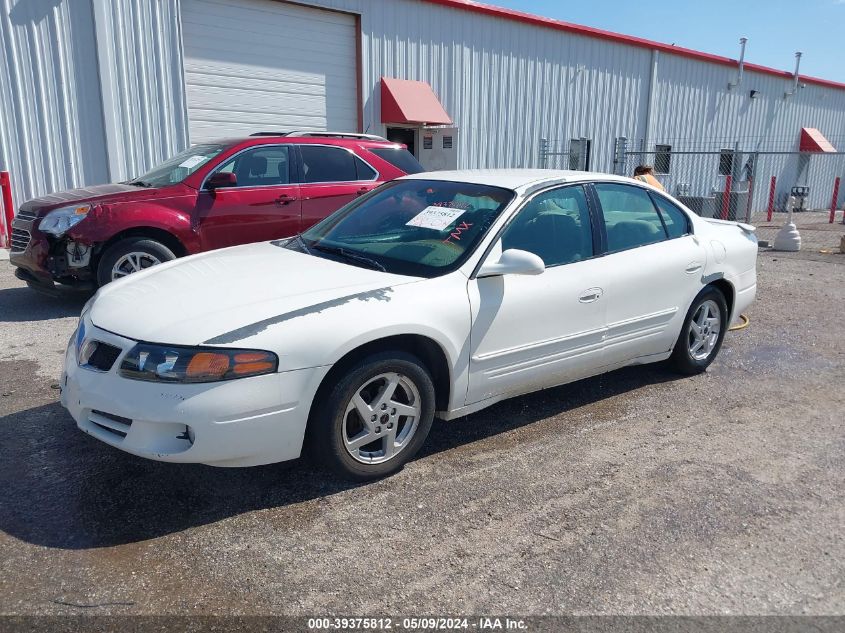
x,y
263,187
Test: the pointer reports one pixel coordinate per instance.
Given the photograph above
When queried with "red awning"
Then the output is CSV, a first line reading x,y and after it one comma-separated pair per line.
x,y
404,101
814,141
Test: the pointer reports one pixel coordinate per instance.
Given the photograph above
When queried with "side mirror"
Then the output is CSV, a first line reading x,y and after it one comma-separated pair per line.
x,y
221,179
512,262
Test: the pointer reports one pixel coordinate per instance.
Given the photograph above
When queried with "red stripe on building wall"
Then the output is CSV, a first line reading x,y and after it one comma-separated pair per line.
x,y
560,25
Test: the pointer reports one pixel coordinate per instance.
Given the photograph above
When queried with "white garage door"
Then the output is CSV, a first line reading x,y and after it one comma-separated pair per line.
x,y
263,65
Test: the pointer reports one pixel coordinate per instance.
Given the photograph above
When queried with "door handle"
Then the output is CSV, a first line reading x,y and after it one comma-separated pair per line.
x,y
285,199
693,267
590,295
362,191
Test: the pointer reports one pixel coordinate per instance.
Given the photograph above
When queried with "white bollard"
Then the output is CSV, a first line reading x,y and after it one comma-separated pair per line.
x,y
788,238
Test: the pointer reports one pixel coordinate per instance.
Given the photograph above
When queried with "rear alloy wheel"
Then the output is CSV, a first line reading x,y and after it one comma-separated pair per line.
x,y
375,418
702,333
129,256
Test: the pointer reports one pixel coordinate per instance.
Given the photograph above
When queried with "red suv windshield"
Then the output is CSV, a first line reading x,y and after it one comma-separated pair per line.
x,y
181,166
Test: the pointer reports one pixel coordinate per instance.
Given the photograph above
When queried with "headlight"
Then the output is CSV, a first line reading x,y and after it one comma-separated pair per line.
x,y
60,221
172,363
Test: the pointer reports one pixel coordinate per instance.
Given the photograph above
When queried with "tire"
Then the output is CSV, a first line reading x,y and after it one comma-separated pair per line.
x,y
694,352
338,433
133,252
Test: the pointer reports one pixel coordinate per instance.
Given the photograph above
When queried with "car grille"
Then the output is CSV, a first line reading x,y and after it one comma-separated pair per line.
x,y
103,357
20,240
26,215
108,422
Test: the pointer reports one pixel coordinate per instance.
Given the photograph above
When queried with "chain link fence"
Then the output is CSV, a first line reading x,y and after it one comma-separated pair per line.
x,y
721,180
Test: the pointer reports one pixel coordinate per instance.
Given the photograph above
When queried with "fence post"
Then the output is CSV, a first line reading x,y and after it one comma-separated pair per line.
x,y
752,181
726,197
771,208
834,200
620,155
9,210
544,152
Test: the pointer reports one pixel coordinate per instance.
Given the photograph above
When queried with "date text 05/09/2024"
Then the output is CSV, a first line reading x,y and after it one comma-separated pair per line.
x,y
428,623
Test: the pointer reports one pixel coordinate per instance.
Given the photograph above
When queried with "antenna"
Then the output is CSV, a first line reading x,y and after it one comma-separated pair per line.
x,y
738,82
794,75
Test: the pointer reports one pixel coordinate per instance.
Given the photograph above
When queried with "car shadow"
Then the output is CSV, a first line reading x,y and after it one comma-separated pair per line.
x,y
63,489
25,304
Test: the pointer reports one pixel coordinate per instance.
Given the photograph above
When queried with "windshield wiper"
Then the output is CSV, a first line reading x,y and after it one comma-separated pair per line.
x,y
139,183
349,255
302,243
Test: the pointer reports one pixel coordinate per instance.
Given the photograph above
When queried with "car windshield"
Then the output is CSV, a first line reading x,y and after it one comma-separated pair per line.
x,y
422,228
179,167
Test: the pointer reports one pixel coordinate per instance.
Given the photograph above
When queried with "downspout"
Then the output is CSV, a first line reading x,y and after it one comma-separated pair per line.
x,y
652,91
108,90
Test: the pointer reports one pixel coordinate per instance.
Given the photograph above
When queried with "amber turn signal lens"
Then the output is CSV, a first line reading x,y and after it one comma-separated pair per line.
x,y
253,363
251,357
206,364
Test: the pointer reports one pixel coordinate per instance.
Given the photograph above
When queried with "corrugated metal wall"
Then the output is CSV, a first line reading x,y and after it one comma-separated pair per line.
x,y
508,84
51,119
139,47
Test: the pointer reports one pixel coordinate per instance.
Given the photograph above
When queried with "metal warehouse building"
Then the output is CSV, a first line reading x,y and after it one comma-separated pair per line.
x,y
93,91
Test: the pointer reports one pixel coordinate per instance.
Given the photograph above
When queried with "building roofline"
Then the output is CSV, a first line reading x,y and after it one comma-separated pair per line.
x,y
640,42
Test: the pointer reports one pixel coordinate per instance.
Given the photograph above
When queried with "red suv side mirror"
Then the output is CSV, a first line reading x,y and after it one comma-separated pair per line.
x,y
221,179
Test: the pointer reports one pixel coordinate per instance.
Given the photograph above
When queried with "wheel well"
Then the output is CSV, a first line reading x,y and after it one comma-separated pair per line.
x,y
728,290
424,348
159,235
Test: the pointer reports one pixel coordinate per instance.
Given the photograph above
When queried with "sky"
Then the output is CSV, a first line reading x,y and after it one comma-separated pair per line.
x,y
775,28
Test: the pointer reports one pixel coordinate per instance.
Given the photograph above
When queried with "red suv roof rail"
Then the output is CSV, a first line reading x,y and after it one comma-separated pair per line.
x,y
365,137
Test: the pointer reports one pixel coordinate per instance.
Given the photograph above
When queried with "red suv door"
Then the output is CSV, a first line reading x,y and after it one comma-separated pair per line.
x,y
263,204
331,176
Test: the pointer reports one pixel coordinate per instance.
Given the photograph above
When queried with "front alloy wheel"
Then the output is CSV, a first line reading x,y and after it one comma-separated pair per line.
x,y
132,263
374,417
131,255
381,418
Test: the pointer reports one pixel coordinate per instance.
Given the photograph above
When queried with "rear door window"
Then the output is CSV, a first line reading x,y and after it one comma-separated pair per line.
x,y
676,221
364,171
630,216
321,163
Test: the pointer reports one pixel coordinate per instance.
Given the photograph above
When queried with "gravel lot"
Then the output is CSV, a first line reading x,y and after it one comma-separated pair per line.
x,y
636,492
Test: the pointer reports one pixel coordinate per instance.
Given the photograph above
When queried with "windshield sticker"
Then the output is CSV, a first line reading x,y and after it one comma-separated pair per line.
x,y
193,161
437,218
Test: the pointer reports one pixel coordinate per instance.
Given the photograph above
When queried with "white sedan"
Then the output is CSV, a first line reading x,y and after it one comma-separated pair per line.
x,y
436,294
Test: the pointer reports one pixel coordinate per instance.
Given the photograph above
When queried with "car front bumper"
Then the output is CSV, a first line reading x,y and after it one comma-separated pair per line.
x,y
40,262
243,422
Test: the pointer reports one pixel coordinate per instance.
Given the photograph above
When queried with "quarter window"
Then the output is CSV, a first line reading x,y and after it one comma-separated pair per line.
x,y
630,217
554,225
675,220
260,167
321,163
364,171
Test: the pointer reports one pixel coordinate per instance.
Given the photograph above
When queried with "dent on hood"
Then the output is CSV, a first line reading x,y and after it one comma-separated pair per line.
x,y
247,331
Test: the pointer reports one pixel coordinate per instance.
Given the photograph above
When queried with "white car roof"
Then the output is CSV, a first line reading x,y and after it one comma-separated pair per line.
x,y
516,179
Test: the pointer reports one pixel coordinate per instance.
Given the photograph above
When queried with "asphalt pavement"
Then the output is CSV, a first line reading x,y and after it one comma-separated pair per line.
x,y
638,492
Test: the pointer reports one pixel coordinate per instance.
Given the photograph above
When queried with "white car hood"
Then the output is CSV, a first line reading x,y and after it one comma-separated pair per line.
x,y
220,296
